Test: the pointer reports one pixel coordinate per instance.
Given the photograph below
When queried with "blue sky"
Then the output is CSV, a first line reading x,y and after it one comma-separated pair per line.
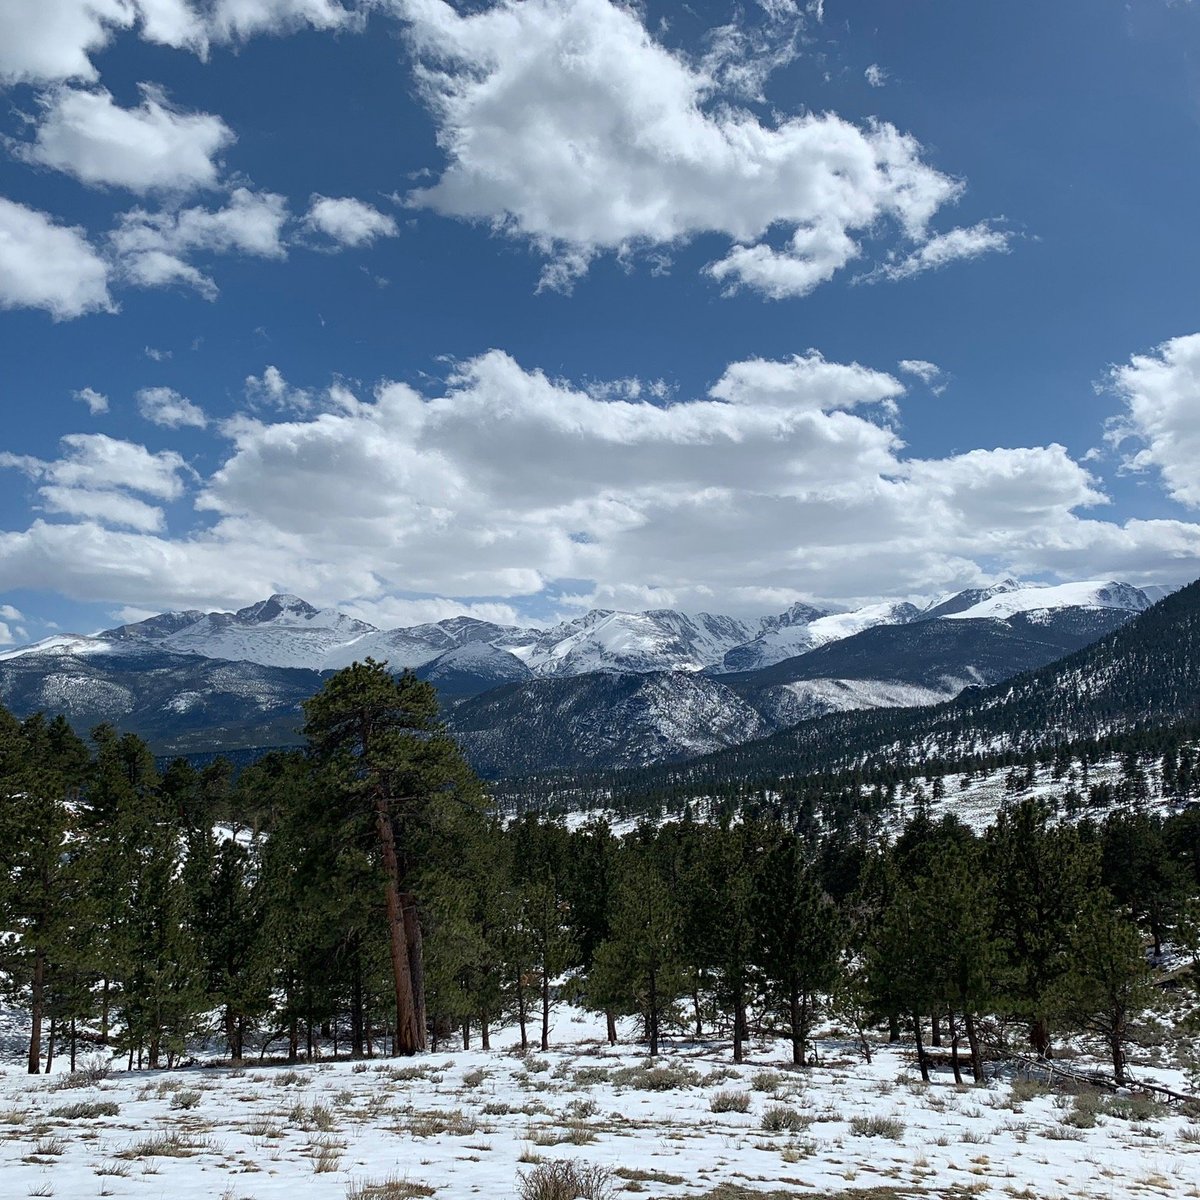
x,y
517,308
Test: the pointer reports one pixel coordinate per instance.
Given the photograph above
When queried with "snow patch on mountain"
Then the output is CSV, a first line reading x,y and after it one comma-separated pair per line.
x,y
1090,594
809,631
791,702
60,644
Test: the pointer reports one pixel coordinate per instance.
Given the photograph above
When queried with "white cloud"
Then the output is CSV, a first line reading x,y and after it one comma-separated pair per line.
x,y
52,39
347,221
98,462
944,248
273,390
49,266
876,76
153,248
564,122
96,402
154,147
786,479
9,613
44,41
93,481
237,20
106,507
927,372
1161,391
165,406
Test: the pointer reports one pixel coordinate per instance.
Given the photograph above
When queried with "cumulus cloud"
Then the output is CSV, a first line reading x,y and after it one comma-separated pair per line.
x,y
1161,393
347,221
49,266
945,248
165,406
93,480
154,146
564,122
876,76
273,390
108,508
52,39
238,20
97,402
786,478
153,249
44,41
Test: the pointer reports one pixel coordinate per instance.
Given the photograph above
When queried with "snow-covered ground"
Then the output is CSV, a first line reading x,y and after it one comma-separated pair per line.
x,y
460,1124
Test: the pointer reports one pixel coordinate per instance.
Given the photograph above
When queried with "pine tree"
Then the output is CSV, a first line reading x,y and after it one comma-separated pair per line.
x,y
799,937
1043,875
387,764
1108,984
637,968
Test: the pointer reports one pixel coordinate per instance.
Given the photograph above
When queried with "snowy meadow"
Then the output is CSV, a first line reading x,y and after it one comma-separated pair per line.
x,y
501,1123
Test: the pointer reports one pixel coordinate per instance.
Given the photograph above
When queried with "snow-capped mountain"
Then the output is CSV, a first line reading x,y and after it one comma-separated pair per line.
x,y
1092,595
604,689
780,642
471,669
286,631
659,640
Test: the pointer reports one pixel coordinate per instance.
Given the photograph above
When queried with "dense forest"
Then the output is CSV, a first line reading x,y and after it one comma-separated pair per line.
x,y
360,896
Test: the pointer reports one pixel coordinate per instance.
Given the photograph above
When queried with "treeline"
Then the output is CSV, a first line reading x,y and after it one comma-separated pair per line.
x,y
1163,760
359,896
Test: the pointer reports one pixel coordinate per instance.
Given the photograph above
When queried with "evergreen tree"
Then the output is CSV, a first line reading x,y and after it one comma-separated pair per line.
x,y
1107,986
1043,876
799,937
388,764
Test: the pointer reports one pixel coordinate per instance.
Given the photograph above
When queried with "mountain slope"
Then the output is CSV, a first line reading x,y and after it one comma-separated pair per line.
x,y
1146,674
178,703
599,721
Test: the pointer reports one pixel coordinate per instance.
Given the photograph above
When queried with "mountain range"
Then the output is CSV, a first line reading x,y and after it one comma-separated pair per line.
x,y
605,689
1140,680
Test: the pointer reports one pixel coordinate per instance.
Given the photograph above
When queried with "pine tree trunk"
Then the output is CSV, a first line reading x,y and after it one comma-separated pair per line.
x,y
521,1014
739,1024
610,1021
1039,1036
935,1030
485,1033
893,1028
794,1021
37,1008
1118,1057
356,1006
696,1010
231,1033
466,1028
408,1037
73,1045
545,1009
104,1012
50,1045
954,1050
973,1042
416,963
922,1061
653,1025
